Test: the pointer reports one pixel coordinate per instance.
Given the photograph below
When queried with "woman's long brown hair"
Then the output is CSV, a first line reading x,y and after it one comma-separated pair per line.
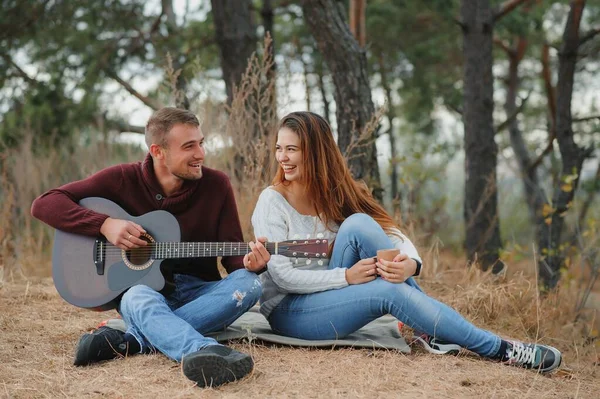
x,y
335,194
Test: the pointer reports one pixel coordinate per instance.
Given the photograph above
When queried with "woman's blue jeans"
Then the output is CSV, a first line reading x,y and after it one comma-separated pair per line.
x,y
337,313
174,324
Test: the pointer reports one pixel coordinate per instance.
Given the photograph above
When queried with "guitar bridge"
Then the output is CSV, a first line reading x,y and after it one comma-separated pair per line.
x,y
99,255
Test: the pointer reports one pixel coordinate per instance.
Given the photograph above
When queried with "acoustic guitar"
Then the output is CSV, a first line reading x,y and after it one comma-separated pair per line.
x,y
92,273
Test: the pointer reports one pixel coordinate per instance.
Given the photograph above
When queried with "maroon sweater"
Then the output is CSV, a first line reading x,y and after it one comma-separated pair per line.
x,y
205,209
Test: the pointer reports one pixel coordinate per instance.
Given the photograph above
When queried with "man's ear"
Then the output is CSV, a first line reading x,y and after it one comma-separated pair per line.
x,y
157,151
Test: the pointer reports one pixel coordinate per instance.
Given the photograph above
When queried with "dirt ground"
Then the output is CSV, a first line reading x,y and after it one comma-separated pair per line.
x,y
39,331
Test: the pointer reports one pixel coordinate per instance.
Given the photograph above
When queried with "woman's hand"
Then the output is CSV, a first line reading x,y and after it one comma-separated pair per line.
x,y
257,259
363,271
398,270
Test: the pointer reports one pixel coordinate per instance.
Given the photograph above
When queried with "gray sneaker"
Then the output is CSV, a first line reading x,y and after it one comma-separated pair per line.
x,y
542,358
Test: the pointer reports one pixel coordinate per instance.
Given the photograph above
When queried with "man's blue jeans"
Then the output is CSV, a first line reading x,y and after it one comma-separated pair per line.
x,y
174,324
336,313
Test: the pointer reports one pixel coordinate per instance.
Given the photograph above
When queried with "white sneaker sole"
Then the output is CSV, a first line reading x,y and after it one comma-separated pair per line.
x,y
450,349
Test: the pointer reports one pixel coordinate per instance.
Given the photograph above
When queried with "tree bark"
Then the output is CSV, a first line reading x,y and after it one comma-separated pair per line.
x,y
306,73
319,70
268,16
391,116
357,20
347,62
236,37
588,201
482,240
572,155
534,193
551,96
181,100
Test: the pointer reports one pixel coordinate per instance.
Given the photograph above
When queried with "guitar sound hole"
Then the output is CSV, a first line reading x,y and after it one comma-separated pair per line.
x,y
139,256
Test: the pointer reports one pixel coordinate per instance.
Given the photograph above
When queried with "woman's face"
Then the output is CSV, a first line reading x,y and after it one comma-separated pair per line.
x,y
289,154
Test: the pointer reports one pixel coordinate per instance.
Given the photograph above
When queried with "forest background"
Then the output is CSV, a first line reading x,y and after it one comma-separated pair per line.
x,y
474,122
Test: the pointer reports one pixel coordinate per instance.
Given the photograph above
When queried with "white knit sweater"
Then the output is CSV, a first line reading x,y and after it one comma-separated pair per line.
x,y
277,220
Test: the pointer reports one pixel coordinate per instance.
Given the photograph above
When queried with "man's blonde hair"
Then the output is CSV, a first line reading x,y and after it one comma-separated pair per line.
x,y
163,120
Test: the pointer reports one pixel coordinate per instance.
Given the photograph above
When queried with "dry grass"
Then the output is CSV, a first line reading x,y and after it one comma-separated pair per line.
x,y
39,332
24,175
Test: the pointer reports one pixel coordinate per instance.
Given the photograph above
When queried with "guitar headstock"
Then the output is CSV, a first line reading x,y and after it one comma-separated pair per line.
x,y
303,248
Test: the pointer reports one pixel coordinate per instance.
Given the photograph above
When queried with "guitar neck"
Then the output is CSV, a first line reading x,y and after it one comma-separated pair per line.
x,y
174,250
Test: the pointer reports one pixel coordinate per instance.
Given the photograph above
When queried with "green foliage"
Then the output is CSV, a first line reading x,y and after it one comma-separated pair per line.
x,y
73,48
421,48
46,110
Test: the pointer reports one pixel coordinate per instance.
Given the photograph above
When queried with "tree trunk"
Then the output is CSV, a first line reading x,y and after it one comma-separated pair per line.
x,y
307,91
482,240
534,193
572,156
357,20
178,60
235,34
590,198
391,115
319,70
268,16
347,62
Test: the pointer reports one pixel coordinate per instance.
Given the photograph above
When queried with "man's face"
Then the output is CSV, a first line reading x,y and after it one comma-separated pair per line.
x,y
184,154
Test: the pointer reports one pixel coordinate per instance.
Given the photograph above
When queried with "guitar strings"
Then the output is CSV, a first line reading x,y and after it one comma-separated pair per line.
x,y
185,249
109,248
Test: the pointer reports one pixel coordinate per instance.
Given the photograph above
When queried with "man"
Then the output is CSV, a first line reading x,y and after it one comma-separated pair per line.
x,y
172,178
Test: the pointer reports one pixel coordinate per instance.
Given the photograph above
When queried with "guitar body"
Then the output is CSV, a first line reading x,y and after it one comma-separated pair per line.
x,y
75,272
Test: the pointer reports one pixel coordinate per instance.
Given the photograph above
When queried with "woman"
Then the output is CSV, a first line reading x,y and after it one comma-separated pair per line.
x,y
314,196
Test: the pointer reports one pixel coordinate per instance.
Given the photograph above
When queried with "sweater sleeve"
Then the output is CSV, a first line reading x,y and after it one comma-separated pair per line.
x,y
405,246
60,207
229,229
270,220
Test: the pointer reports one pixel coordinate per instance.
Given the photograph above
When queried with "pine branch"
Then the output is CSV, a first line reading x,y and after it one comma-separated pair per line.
x,y
123,127
127,128
511,117
588,36
20,71
545,152
146,100
507,7
586,118
551,95
458,110
460,23
504,46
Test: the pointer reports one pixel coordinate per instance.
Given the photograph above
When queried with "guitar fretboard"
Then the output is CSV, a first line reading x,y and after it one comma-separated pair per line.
x,y
171,250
